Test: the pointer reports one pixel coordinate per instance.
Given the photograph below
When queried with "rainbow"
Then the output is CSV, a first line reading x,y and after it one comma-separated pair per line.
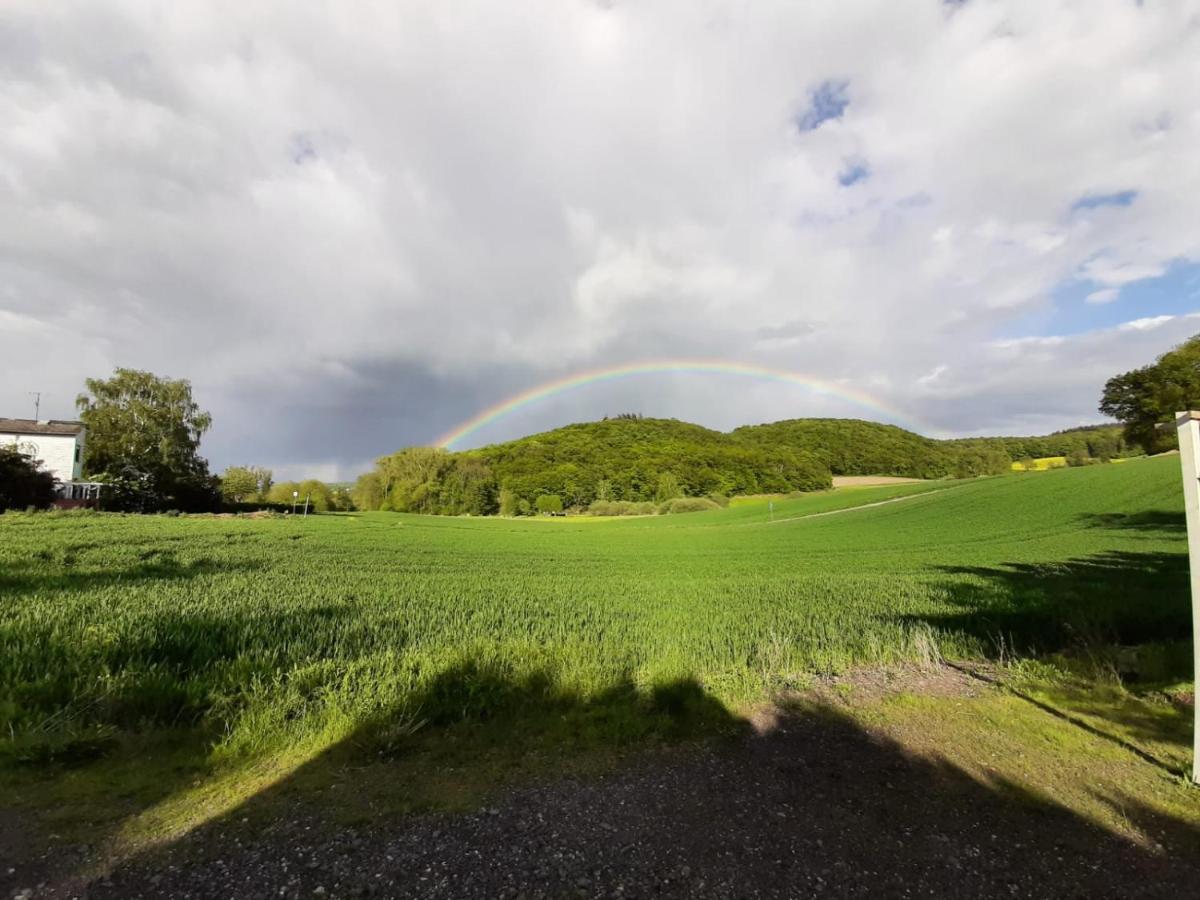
x,y
676,366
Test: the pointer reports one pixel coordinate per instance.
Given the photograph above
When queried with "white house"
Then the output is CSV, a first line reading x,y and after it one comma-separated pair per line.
x,y
58,444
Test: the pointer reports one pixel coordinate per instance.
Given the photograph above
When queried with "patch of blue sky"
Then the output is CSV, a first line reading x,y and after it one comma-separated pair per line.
x,y
1092,201
854,173
827,101
1175,292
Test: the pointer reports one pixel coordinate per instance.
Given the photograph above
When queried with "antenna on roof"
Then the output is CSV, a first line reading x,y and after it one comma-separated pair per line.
x,y
37,405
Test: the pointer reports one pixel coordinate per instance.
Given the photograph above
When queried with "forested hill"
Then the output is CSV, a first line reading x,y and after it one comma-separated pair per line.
x,y
857,447
1094,441
626,458
630,458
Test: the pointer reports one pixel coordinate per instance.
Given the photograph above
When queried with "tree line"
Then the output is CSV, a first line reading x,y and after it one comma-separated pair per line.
x,y
143,439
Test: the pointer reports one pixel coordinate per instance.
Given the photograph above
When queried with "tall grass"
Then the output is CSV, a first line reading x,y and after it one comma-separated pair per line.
x,y
266,633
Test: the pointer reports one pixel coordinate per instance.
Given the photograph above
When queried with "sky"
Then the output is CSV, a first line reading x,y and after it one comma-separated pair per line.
x,y
353,226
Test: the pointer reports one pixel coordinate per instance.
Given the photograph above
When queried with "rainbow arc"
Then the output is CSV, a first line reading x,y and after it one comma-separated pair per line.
x,y
856,397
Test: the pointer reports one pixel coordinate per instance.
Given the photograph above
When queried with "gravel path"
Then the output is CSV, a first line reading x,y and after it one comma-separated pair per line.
x,y
814,808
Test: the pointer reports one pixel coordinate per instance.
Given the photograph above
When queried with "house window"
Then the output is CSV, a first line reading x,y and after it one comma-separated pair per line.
x,y
76,453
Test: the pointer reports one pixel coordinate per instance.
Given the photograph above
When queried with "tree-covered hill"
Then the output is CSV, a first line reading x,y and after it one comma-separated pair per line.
x,y
633,459
1095,441
857,447
626,458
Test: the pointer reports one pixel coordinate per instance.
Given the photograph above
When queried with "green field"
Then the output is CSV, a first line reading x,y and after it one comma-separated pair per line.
x,y
273,633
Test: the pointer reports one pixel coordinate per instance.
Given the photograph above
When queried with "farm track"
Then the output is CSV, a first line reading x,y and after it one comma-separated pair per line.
x,y
872,505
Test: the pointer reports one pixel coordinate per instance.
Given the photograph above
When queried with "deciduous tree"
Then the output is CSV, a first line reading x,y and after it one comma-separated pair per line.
x,y
148,429
239,484
1144,398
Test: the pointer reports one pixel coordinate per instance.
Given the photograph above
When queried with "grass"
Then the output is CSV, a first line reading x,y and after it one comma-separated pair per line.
x,y
1012,746
228,653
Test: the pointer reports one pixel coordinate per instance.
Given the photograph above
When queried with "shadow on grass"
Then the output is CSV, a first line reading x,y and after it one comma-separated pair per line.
x,y
1155,521
1122,612
1116,598
167,669
40,576
815,804
1138,720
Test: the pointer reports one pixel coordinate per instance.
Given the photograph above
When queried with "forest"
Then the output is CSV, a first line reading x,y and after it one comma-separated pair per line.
x,y
633,464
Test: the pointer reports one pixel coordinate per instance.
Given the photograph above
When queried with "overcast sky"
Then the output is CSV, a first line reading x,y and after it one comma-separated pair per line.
x,y
354,225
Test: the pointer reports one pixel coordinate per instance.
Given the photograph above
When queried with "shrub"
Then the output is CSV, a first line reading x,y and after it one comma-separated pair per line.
x,y
668,488
1079,457
687,505
621,508
508,502
549,504
22,483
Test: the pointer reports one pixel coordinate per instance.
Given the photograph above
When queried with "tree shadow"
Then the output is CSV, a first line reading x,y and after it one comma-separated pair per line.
x,y
1151,521
815,804
158,672
33,577
1124,613
1113,598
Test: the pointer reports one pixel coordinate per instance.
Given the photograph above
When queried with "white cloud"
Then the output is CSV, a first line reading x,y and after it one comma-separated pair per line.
x,y
390,216
1107,295
933,375
1147,324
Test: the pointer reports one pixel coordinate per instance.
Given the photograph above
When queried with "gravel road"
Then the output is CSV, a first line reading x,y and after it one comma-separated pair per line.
x,y
813,808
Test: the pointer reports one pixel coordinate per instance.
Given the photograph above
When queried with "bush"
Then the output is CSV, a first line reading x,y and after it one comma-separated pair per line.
x,y
262,506
668,488
1079,457
687,505
22,483
508,501
549,504
720,499
127,490
621,508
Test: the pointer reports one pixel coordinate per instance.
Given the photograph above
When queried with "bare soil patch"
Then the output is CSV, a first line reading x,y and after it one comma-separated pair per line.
x,y
840,481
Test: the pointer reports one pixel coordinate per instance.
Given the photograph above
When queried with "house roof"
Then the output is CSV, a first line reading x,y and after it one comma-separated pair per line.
x,y
31,426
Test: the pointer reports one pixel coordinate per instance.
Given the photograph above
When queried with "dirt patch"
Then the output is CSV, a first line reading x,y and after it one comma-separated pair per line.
x,y
864,685
840,481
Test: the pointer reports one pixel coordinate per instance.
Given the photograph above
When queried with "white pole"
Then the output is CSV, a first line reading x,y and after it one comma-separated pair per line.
x,y
1188,426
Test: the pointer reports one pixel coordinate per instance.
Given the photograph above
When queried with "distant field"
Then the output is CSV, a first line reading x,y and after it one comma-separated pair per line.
x,y
270,633
1041,464
845,481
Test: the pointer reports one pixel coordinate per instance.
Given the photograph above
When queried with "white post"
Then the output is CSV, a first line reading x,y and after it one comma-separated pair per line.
x,y
1188,426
